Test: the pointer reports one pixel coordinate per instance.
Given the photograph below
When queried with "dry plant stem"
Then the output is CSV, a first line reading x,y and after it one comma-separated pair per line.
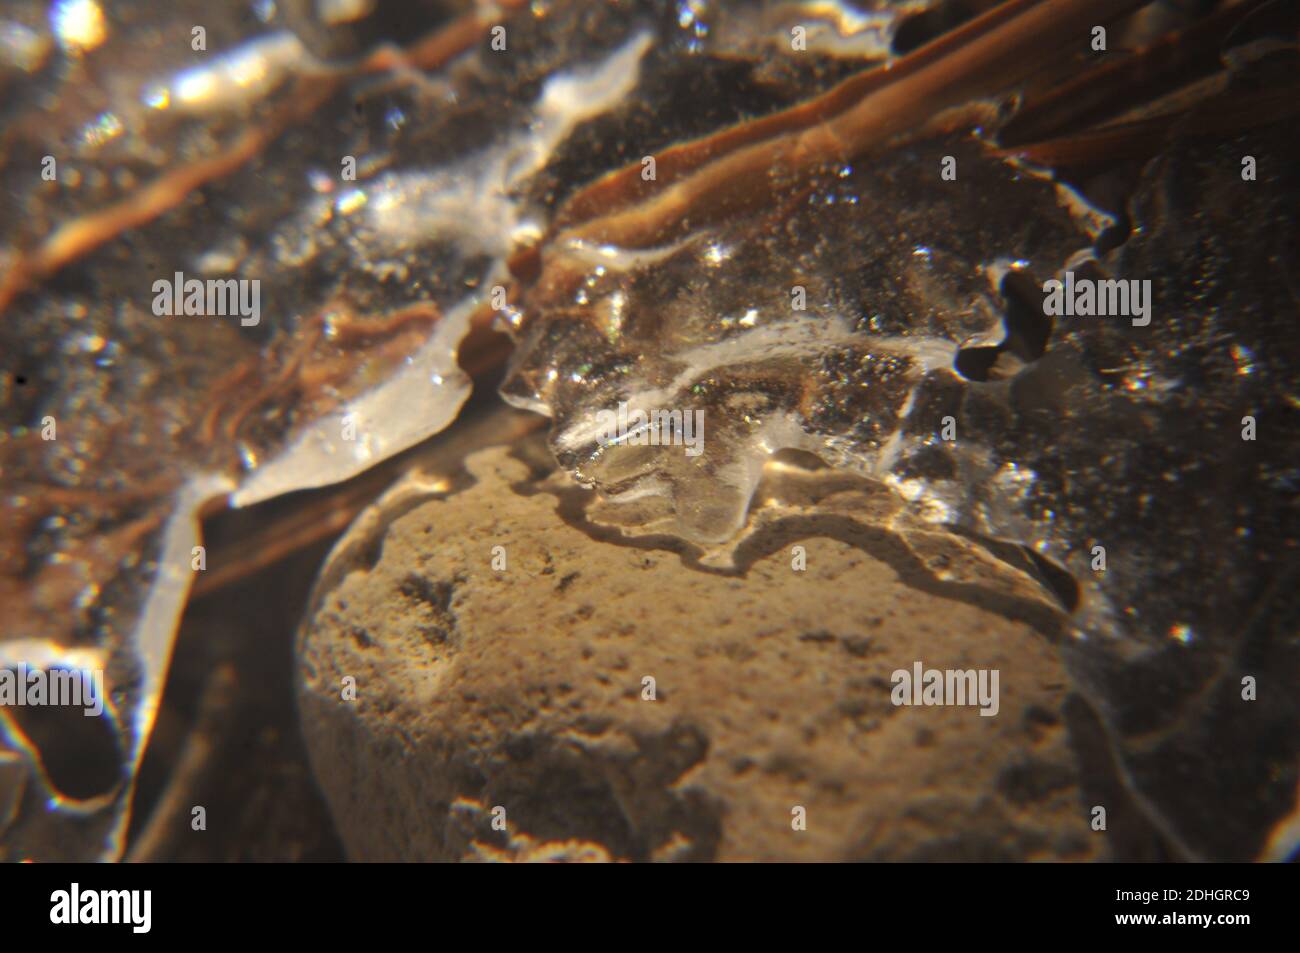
x,y
296,369
625,186
82,235
171,814
282,379
55,496
994,52
225,416
991,61
1223,115
1160,66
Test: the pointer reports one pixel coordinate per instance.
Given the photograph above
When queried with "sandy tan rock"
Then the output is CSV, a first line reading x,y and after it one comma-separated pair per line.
x,y
522,689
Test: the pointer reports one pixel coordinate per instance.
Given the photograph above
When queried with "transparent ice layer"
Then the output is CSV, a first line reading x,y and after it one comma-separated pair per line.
x,y
875,315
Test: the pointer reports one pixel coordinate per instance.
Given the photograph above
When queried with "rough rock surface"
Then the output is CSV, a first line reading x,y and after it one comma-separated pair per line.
x,y
478,688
